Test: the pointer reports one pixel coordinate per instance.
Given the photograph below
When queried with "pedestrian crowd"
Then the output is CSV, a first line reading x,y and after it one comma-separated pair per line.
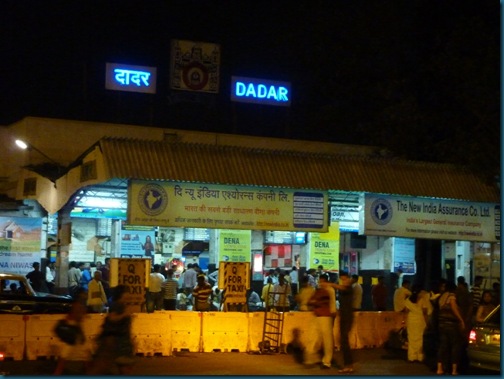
x,y
445,315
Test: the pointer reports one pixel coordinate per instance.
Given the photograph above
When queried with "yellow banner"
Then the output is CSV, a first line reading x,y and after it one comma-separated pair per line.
x,y
324,248
235,245
226,207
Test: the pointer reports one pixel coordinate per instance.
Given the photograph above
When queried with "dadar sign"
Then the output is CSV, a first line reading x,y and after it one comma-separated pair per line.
x,y
260,91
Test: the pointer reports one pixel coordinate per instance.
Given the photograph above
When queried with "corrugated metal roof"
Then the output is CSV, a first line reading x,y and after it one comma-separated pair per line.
x,y
155,160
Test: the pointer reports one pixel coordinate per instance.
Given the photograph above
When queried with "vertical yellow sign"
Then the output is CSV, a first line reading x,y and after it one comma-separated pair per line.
x,y
324,248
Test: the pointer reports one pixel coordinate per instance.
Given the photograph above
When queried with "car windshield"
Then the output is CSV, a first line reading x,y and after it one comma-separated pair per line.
x,y
13,287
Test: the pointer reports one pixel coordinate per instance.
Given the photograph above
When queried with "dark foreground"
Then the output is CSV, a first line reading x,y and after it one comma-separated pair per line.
x,y
368,362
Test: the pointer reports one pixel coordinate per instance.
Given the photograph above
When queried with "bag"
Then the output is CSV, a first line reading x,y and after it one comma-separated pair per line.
x,y
66,332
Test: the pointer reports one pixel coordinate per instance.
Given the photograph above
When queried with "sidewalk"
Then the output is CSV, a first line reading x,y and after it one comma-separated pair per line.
x,y
368,362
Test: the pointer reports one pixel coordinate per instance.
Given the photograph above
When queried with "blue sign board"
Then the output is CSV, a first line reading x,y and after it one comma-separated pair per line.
x,y
121,77
260,91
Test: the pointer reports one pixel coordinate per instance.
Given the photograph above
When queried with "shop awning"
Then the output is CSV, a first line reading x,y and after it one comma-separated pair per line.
x,y
123,159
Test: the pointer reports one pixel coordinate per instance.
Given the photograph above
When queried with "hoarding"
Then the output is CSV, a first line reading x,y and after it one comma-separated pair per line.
x,y
195,205
414,217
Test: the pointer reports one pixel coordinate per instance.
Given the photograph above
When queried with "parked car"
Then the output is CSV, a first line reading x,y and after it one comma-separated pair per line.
x,y
484,343
18,297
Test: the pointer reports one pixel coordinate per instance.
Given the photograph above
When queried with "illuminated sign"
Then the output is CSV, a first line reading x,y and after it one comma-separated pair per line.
x,y
260,91
120,77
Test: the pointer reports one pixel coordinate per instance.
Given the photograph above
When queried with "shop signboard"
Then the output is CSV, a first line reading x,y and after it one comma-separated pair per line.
x,y
260,91
20,243
180,204
324,248
415,217
234,279
132,273
129,78
234,245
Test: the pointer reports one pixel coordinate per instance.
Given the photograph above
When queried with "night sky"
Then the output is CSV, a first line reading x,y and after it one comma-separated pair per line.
x,y
418,77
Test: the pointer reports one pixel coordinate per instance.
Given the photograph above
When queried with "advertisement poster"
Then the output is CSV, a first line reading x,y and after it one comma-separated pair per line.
x,y
415,217
324,249
137,242
404,255
225,207
20,243
235,245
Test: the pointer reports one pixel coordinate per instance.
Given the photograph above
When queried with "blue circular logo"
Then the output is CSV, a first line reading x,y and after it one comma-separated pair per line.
x,y
381,211
152,199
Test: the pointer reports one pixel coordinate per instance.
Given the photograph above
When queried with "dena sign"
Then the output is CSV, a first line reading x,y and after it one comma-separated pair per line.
x,y
260,91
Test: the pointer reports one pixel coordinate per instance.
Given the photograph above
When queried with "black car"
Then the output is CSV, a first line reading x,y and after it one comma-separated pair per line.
x,y
18,297
484,343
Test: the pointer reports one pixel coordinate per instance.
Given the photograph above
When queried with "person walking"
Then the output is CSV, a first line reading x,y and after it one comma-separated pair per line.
x,y
451,329
418,308
115,345
156,280
78,351
96,299
303,297
170,292
294,280
476,292
323,302
346,316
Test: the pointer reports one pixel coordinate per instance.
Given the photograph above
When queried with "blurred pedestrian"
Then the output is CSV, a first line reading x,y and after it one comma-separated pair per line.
x,y
305,293
77,351
115,345
346,316
418,308
451,329
323,302
96,299
379,294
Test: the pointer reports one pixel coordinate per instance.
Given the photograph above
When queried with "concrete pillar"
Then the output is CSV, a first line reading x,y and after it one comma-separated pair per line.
x,y
64,241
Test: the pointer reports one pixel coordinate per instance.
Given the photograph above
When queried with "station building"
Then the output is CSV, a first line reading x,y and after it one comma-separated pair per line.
x,y
86,191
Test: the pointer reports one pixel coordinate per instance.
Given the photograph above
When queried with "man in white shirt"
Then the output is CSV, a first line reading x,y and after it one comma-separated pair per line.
x,y
294,279
155,288
356,294
190,278
400,296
